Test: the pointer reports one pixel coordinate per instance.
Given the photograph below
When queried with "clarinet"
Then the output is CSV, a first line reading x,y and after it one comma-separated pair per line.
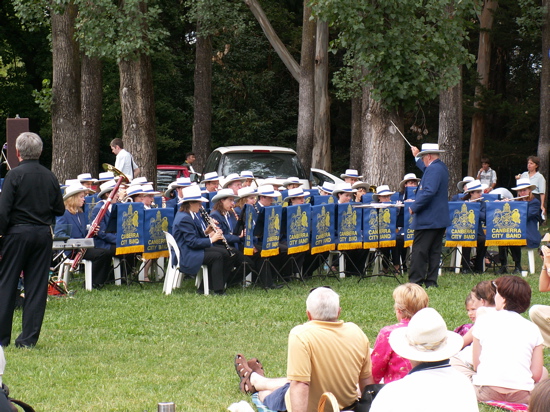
x,y
210,223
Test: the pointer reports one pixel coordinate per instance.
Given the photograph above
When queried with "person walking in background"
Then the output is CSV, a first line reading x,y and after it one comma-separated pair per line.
x,y
124,160
29,202
430,211
486,175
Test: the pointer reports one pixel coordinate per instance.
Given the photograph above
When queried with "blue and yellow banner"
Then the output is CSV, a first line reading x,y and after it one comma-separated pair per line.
x,y
323,200
464,224
348,232
410,192
367,197
129,234
379,227
407,231
323,228
250,217
297,227
90,202
506,224
156,222
272,230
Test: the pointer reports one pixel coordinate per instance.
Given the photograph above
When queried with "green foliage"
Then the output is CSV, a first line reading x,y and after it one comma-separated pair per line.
x,y
43,97
410,50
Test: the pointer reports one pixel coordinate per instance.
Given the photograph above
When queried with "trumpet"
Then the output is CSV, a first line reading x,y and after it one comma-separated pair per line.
x,y
210,223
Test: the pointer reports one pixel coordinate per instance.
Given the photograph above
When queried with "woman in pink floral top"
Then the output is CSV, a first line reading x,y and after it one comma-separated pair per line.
x,y
386,364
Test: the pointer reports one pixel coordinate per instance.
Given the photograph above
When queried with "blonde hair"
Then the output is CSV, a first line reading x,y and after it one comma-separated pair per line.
x,y
71,204
410,298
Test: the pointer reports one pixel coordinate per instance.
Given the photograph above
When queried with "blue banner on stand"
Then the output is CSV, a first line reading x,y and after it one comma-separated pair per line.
x,y
410,192
90,202
272,230
312,192
129,233
250,217
297,227
156,222
379,227
367,197
506,223
323,224
323,200
348,231
464,224
408,232
158,201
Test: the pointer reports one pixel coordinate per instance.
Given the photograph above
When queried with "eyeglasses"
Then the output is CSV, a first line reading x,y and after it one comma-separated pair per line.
x,y
327,287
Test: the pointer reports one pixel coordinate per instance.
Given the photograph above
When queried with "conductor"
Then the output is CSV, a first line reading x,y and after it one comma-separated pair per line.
x,y
29,202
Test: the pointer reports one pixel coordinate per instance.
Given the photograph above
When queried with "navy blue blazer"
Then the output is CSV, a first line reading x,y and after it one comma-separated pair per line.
x,y
227,230
103,240
431,206
191,241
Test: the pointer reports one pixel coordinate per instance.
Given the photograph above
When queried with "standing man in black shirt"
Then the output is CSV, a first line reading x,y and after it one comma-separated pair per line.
x,y
29,202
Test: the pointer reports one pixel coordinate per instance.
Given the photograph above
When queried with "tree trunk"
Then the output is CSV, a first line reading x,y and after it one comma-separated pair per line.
x,y
274,40
138,113
202,118
483,66
321,146
66,155
385,162
356,153
544,137
306,103
450,132
91,104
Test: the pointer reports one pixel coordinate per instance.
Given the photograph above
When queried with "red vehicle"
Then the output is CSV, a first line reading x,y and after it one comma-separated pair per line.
x,y
166,174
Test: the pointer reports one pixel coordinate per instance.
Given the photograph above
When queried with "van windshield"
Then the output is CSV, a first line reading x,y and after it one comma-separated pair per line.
x,y
263,165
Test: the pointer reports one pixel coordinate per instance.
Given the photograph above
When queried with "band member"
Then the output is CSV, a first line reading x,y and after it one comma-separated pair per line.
x,y
524,188
362,189
326,189
211,182
86,179
296,196
233,182
351,176
144,194
473,192
104,240
224,213
460,186
74,199
246,195
249,178
292,183
409,180
195,240
383,195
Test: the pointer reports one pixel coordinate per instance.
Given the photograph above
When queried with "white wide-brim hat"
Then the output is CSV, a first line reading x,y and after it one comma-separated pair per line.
x,y
383,190
343,188
224,193
524,184
351,173
142,190
247,174
233,177
327,187
85,177
71,182
465,180
296,192
210,177
140,181
246,192
268,190
74,189
474,185
426,338
106,187
192,194
292,181
430,148
359,184
406,178
105,176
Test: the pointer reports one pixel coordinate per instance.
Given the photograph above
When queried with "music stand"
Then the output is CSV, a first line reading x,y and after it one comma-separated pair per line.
x,y
378,255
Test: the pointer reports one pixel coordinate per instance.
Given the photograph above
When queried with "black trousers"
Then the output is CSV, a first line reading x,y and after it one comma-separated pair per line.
x,y
480,255
515,251
27,249
101,264
425,256
219,266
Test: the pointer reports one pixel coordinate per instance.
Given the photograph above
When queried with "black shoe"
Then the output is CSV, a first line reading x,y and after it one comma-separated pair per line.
x,y
275,287
200,291
502,270
220,293
466,271
517,271
20,345
435,285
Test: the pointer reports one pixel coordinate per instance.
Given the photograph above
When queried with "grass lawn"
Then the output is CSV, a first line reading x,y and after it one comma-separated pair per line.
x,y
128,348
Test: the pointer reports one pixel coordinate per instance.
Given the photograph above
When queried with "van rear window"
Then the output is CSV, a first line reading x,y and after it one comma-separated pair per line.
x,y
263,165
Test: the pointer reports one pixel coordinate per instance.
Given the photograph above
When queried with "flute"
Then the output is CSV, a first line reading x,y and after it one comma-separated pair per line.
x,y
517,198
210,223
476,200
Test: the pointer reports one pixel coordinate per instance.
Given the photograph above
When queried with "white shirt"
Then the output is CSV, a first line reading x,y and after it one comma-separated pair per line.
x,y
507,342
428,390
125,163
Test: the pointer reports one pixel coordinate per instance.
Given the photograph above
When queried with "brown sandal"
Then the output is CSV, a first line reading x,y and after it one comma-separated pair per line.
x,y
244,371
256,366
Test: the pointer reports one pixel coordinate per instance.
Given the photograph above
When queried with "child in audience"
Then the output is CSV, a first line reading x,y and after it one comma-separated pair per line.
x,y
387,365
472,303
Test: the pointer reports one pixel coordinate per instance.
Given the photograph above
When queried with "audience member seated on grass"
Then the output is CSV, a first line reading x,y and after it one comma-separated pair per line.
x,y
540,397
507,348
324,355
484,299
471,306
432,385
388,366
540,314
